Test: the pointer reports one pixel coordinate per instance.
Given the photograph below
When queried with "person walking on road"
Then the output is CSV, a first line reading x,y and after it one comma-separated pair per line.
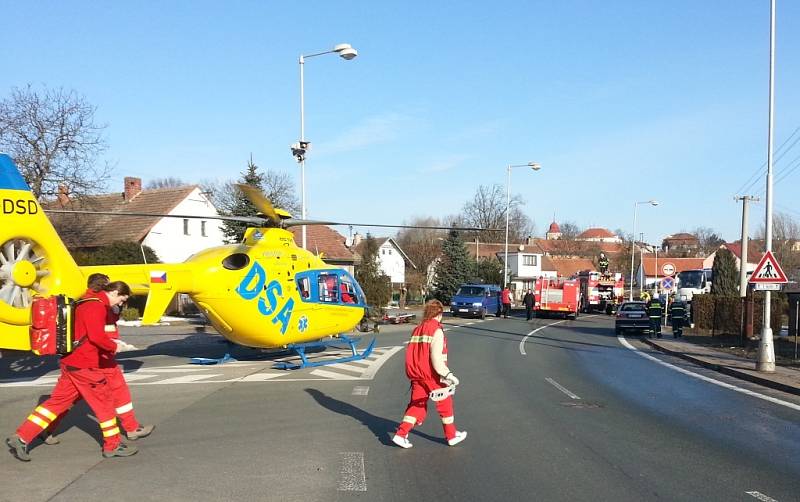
x,y
506,298
654,312
82,377
120,393
426,368
677,315
529,302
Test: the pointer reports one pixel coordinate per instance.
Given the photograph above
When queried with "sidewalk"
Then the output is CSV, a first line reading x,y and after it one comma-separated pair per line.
x,y
783,379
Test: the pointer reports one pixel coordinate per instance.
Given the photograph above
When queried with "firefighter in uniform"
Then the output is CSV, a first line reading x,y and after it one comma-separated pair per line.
x,y
120,393
426,367
677,315
82,377
654,313
602,264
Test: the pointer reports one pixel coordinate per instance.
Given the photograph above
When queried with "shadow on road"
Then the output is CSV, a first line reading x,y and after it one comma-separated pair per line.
x,y
381,427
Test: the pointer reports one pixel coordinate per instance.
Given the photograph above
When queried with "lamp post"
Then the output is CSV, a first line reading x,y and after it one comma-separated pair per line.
x,y
633,242
345,51
535,166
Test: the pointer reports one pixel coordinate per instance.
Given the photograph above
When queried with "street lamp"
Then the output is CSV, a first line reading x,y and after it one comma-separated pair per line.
x,y
346,52
633,241
535,166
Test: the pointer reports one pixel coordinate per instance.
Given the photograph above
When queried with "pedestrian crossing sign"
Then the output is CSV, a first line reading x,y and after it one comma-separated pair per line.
x,y
768,271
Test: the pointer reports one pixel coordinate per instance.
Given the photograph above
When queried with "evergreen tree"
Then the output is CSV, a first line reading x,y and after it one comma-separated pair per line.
x,y
488,271
234,230
725,273
376,285
454,268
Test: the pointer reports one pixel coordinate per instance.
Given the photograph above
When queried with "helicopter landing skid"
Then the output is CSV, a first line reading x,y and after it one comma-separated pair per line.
x,y
300,349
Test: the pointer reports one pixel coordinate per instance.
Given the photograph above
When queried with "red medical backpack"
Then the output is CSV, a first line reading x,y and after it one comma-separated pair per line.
x,y
51,328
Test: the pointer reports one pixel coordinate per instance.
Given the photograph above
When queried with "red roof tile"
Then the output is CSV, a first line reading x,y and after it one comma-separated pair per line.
x,y
681,264
567,267
754,250
596,233
325,240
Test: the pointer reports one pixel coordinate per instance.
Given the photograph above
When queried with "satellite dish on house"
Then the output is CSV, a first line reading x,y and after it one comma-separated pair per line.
x,y
521,247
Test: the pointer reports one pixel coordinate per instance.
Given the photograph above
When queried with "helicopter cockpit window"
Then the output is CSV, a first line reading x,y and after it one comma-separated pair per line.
x,y
328,291
236,261
304,287
348,292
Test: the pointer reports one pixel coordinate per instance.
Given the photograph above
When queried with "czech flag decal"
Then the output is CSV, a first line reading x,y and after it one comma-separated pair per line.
x,y
158,277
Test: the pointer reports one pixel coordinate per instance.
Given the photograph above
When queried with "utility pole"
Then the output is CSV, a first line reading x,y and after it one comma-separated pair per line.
x,y
743,263
766,350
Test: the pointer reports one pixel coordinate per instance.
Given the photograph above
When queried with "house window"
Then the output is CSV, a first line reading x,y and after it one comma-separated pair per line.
x,y
185,226
529,259
203,228
383,251
390,251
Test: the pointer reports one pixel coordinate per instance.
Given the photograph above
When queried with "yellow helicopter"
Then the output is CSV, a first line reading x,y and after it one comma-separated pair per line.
x,y
264,292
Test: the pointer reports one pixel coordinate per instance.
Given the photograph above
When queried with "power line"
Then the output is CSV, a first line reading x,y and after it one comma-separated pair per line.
x,y
752,180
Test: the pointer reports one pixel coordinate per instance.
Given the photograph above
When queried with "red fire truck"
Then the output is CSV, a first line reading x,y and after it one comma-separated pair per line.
x,y
601,292
560,296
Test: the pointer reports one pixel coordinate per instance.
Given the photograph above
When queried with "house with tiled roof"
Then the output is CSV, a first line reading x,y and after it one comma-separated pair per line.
x,y
598,235
392,260
652,266
330,244
755,251
553,232
680,242
172,238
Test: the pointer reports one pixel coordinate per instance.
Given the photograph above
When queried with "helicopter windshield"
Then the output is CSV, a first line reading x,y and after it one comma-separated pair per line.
x,y
334,286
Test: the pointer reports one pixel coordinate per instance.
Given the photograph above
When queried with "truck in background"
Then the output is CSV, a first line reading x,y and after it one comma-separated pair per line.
x,y
601,292
693,282
557,296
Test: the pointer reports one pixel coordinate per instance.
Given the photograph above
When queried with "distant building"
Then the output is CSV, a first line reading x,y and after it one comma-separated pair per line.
x,y
391,259
651,267
598,235
173,239
680,243
554,232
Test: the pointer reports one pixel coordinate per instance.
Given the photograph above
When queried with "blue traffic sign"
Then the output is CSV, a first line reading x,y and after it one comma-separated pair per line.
x,y
667,283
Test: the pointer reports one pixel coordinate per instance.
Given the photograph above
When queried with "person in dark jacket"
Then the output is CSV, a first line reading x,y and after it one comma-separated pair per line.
x,y
654,311
677,315
529,300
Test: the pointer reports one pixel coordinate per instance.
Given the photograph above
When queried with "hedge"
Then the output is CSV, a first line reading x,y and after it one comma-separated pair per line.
x,y
723,314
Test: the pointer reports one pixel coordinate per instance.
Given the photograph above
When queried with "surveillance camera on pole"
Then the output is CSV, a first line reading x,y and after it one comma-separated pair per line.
x,y
299,150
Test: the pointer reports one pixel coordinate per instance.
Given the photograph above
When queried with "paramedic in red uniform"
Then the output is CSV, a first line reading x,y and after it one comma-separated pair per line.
x,y
506,299
426,367
82,377
120,393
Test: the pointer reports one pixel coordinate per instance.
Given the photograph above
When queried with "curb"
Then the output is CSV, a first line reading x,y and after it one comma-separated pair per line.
x,y
728,371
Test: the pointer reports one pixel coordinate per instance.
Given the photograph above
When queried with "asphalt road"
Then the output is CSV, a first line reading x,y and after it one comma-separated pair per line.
x,y
554,410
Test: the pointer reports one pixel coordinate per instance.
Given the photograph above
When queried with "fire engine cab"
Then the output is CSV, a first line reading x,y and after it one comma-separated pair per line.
x,y
601,292
560,296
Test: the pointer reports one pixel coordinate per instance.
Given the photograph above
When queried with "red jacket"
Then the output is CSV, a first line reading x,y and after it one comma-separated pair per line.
x,y
506,296
96,349
418,352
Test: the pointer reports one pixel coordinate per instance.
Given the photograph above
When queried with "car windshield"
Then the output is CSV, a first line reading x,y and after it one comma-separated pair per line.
x,y
628,307
690,279
470,291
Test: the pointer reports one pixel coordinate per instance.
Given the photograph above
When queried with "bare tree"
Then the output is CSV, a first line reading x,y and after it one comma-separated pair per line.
x,y
421,245
277,187
570,230
52,136
707,239
168,182
785,241
488,210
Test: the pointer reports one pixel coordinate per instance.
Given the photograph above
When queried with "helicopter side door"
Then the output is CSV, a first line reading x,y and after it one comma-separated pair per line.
x,y
327,296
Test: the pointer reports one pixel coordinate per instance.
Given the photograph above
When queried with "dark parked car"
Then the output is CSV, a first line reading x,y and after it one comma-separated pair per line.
x,y
632,316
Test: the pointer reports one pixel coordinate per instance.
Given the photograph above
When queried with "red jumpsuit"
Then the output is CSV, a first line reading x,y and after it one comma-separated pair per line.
x,y
82,376
120,393
424,379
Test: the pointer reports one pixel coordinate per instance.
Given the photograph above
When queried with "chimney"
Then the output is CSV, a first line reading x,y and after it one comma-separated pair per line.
x,y
133,187
528,240
63,195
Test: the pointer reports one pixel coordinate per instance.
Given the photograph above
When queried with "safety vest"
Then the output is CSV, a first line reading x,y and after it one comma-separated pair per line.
x,y
677,311
654,309
418,352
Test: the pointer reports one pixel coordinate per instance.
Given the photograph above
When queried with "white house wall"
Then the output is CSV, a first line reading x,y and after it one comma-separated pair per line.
x,y
392,262
167,237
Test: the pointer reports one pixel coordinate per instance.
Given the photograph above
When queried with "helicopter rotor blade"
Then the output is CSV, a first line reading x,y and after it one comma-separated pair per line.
x,y
260,201
297,222
255,220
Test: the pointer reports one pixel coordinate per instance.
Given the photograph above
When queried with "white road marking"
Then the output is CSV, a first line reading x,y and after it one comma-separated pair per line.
x,y
182,379
562,388
347,367
373,369
761,496
525,338
260,377
352,476
781,402
361,390
332,375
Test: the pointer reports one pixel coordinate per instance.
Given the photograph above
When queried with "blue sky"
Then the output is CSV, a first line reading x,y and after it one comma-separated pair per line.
x,y
619,100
